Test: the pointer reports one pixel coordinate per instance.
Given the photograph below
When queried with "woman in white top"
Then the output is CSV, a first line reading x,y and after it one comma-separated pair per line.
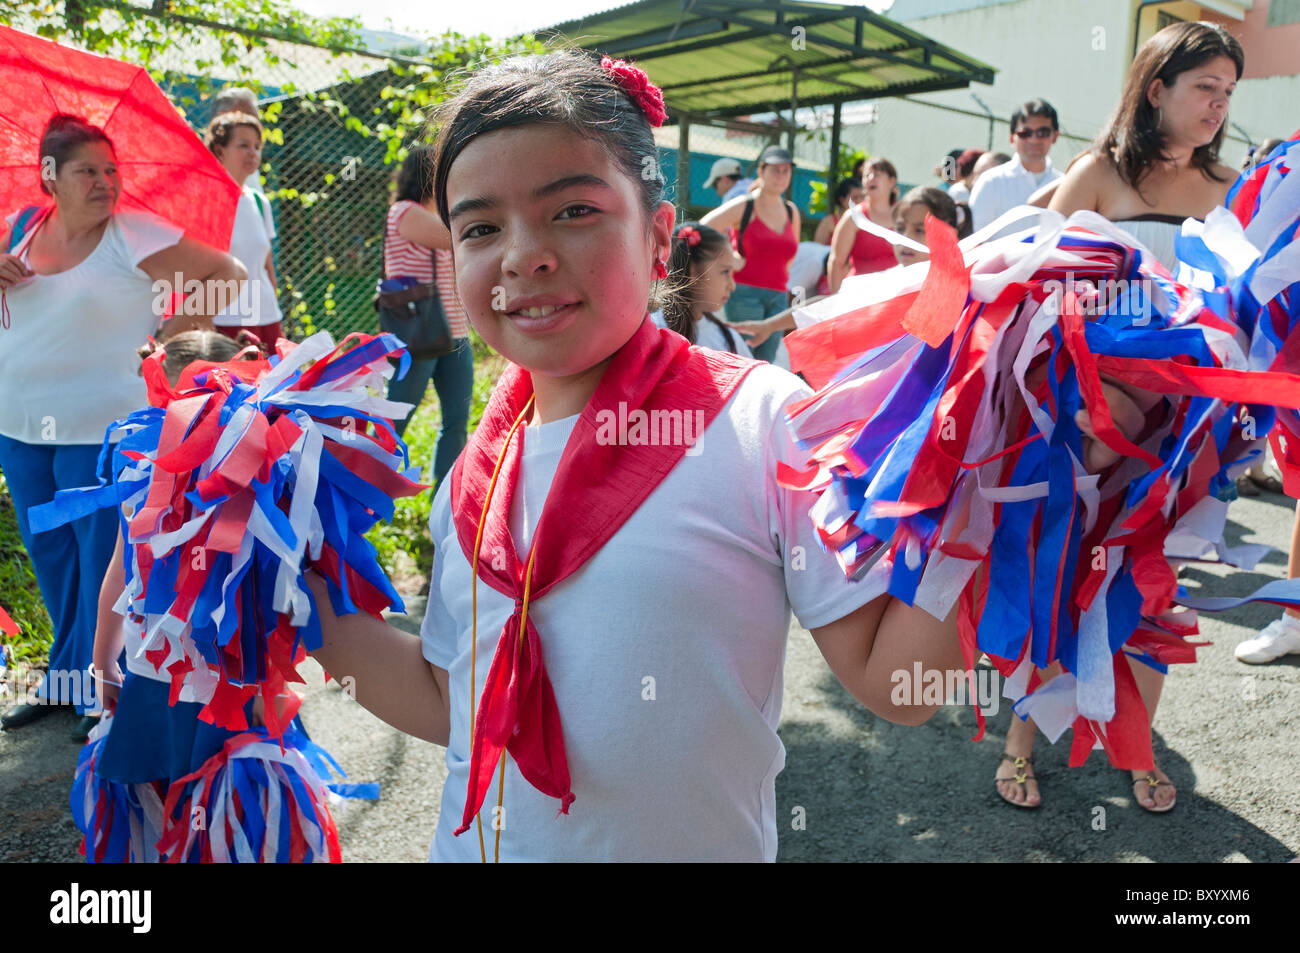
x,y
83,287
417,245
235,138
1155,164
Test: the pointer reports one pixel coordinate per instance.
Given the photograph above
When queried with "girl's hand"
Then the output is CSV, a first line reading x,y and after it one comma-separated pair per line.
x,y
12,271
108,686
754,332
258,717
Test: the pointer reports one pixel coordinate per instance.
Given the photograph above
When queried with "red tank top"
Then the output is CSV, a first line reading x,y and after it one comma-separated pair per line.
x,y
870,252
767,255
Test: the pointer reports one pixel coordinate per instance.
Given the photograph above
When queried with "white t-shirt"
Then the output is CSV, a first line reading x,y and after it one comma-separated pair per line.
x,y
709,335
250,243
665,650
68,362
254,182
1005,186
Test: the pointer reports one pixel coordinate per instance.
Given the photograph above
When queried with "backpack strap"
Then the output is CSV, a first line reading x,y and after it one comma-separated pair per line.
x,y
789,211
745,217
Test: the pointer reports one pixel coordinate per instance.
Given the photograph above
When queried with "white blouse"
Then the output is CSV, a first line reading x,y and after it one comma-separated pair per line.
x,y
68,361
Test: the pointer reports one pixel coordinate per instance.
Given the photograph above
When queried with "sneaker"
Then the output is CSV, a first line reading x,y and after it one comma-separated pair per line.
x,y
1280,637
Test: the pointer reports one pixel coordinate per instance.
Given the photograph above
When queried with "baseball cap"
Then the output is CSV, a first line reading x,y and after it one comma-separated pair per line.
x,y
723,167
773,155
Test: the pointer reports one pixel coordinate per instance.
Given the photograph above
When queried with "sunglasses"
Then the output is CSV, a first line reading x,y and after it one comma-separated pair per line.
x,y
1042,132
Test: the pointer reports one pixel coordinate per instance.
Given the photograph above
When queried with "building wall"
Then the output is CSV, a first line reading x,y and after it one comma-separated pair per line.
x,y
1071,54
1075,55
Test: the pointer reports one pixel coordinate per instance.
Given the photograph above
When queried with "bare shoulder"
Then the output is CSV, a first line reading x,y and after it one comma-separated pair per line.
x,y
728,212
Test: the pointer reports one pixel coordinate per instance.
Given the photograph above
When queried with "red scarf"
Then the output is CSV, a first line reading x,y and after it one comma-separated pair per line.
x,y
597,486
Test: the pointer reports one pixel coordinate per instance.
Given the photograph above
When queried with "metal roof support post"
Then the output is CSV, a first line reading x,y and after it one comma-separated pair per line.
x,y
833,170
684,164
794,107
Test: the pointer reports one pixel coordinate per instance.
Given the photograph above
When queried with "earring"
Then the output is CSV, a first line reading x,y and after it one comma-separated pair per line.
x,y
1160,119
661,271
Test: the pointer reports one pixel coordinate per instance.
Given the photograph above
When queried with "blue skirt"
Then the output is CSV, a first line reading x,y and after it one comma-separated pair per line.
x,y
153,741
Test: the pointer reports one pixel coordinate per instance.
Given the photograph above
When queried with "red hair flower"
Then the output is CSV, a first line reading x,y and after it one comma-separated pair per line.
x,y
638,87
689,235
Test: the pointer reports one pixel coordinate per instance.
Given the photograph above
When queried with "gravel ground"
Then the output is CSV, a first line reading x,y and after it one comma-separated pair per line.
x,y
858,789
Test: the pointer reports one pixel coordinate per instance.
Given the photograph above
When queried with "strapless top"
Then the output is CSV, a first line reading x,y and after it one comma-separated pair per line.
x,y
1157,232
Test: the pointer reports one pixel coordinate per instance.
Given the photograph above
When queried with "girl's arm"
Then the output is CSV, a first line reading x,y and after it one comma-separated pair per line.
x,y
837,264
108,631
421,226
188,261
756,332
270,272
727,215
390,675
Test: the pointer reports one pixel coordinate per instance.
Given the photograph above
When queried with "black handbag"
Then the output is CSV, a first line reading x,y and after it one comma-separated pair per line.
x,y
415,315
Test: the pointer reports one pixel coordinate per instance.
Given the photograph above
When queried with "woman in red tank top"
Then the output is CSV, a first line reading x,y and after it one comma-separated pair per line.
x,y
768,238
853,251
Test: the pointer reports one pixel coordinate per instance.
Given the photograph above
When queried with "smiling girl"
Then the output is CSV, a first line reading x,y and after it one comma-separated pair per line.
x,y
701,277
566,621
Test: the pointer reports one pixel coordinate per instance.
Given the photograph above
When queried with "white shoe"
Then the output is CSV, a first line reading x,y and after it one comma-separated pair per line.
x,y
1280,637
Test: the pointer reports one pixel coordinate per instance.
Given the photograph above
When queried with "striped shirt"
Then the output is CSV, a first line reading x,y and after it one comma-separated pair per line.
x,y
403,258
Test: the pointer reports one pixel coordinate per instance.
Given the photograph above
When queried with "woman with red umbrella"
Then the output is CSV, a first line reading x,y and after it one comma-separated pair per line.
x,y
83,286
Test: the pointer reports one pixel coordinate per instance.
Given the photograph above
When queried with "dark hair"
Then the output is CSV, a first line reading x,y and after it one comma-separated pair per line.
x,y
887,167
939,203
1259,153
998,158
966,162
675,293
414,180
223,127
64,134
843,190
565,88
1034,107
183,349
1132,138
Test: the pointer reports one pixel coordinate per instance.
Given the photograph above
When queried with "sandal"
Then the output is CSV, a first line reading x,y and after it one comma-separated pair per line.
x,y
1268,482
1153,783
1023,767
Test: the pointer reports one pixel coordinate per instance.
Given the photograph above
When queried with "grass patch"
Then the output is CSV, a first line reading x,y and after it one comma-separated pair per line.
x,y
19,593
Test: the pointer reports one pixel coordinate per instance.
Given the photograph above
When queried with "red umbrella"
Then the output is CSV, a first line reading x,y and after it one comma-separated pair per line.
x,y
165,167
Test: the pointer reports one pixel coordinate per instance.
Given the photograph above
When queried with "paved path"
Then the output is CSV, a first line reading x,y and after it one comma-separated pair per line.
x,y
1227,734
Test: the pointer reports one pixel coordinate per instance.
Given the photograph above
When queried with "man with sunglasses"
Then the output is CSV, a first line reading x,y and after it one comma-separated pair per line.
x,y
1033,132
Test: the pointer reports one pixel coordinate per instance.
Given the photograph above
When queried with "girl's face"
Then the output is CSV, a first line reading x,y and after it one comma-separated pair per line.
x,y
554,255
713,282
856,196
878,184
1194,108
776,175
243,154
911,225
88,181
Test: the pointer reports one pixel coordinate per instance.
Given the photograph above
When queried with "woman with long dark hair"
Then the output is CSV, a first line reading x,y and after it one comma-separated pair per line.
x,y
1155,164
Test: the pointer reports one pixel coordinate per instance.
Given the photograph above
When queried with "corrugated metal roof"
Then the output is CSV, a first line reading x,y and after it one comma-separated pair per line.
x,y
738,57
